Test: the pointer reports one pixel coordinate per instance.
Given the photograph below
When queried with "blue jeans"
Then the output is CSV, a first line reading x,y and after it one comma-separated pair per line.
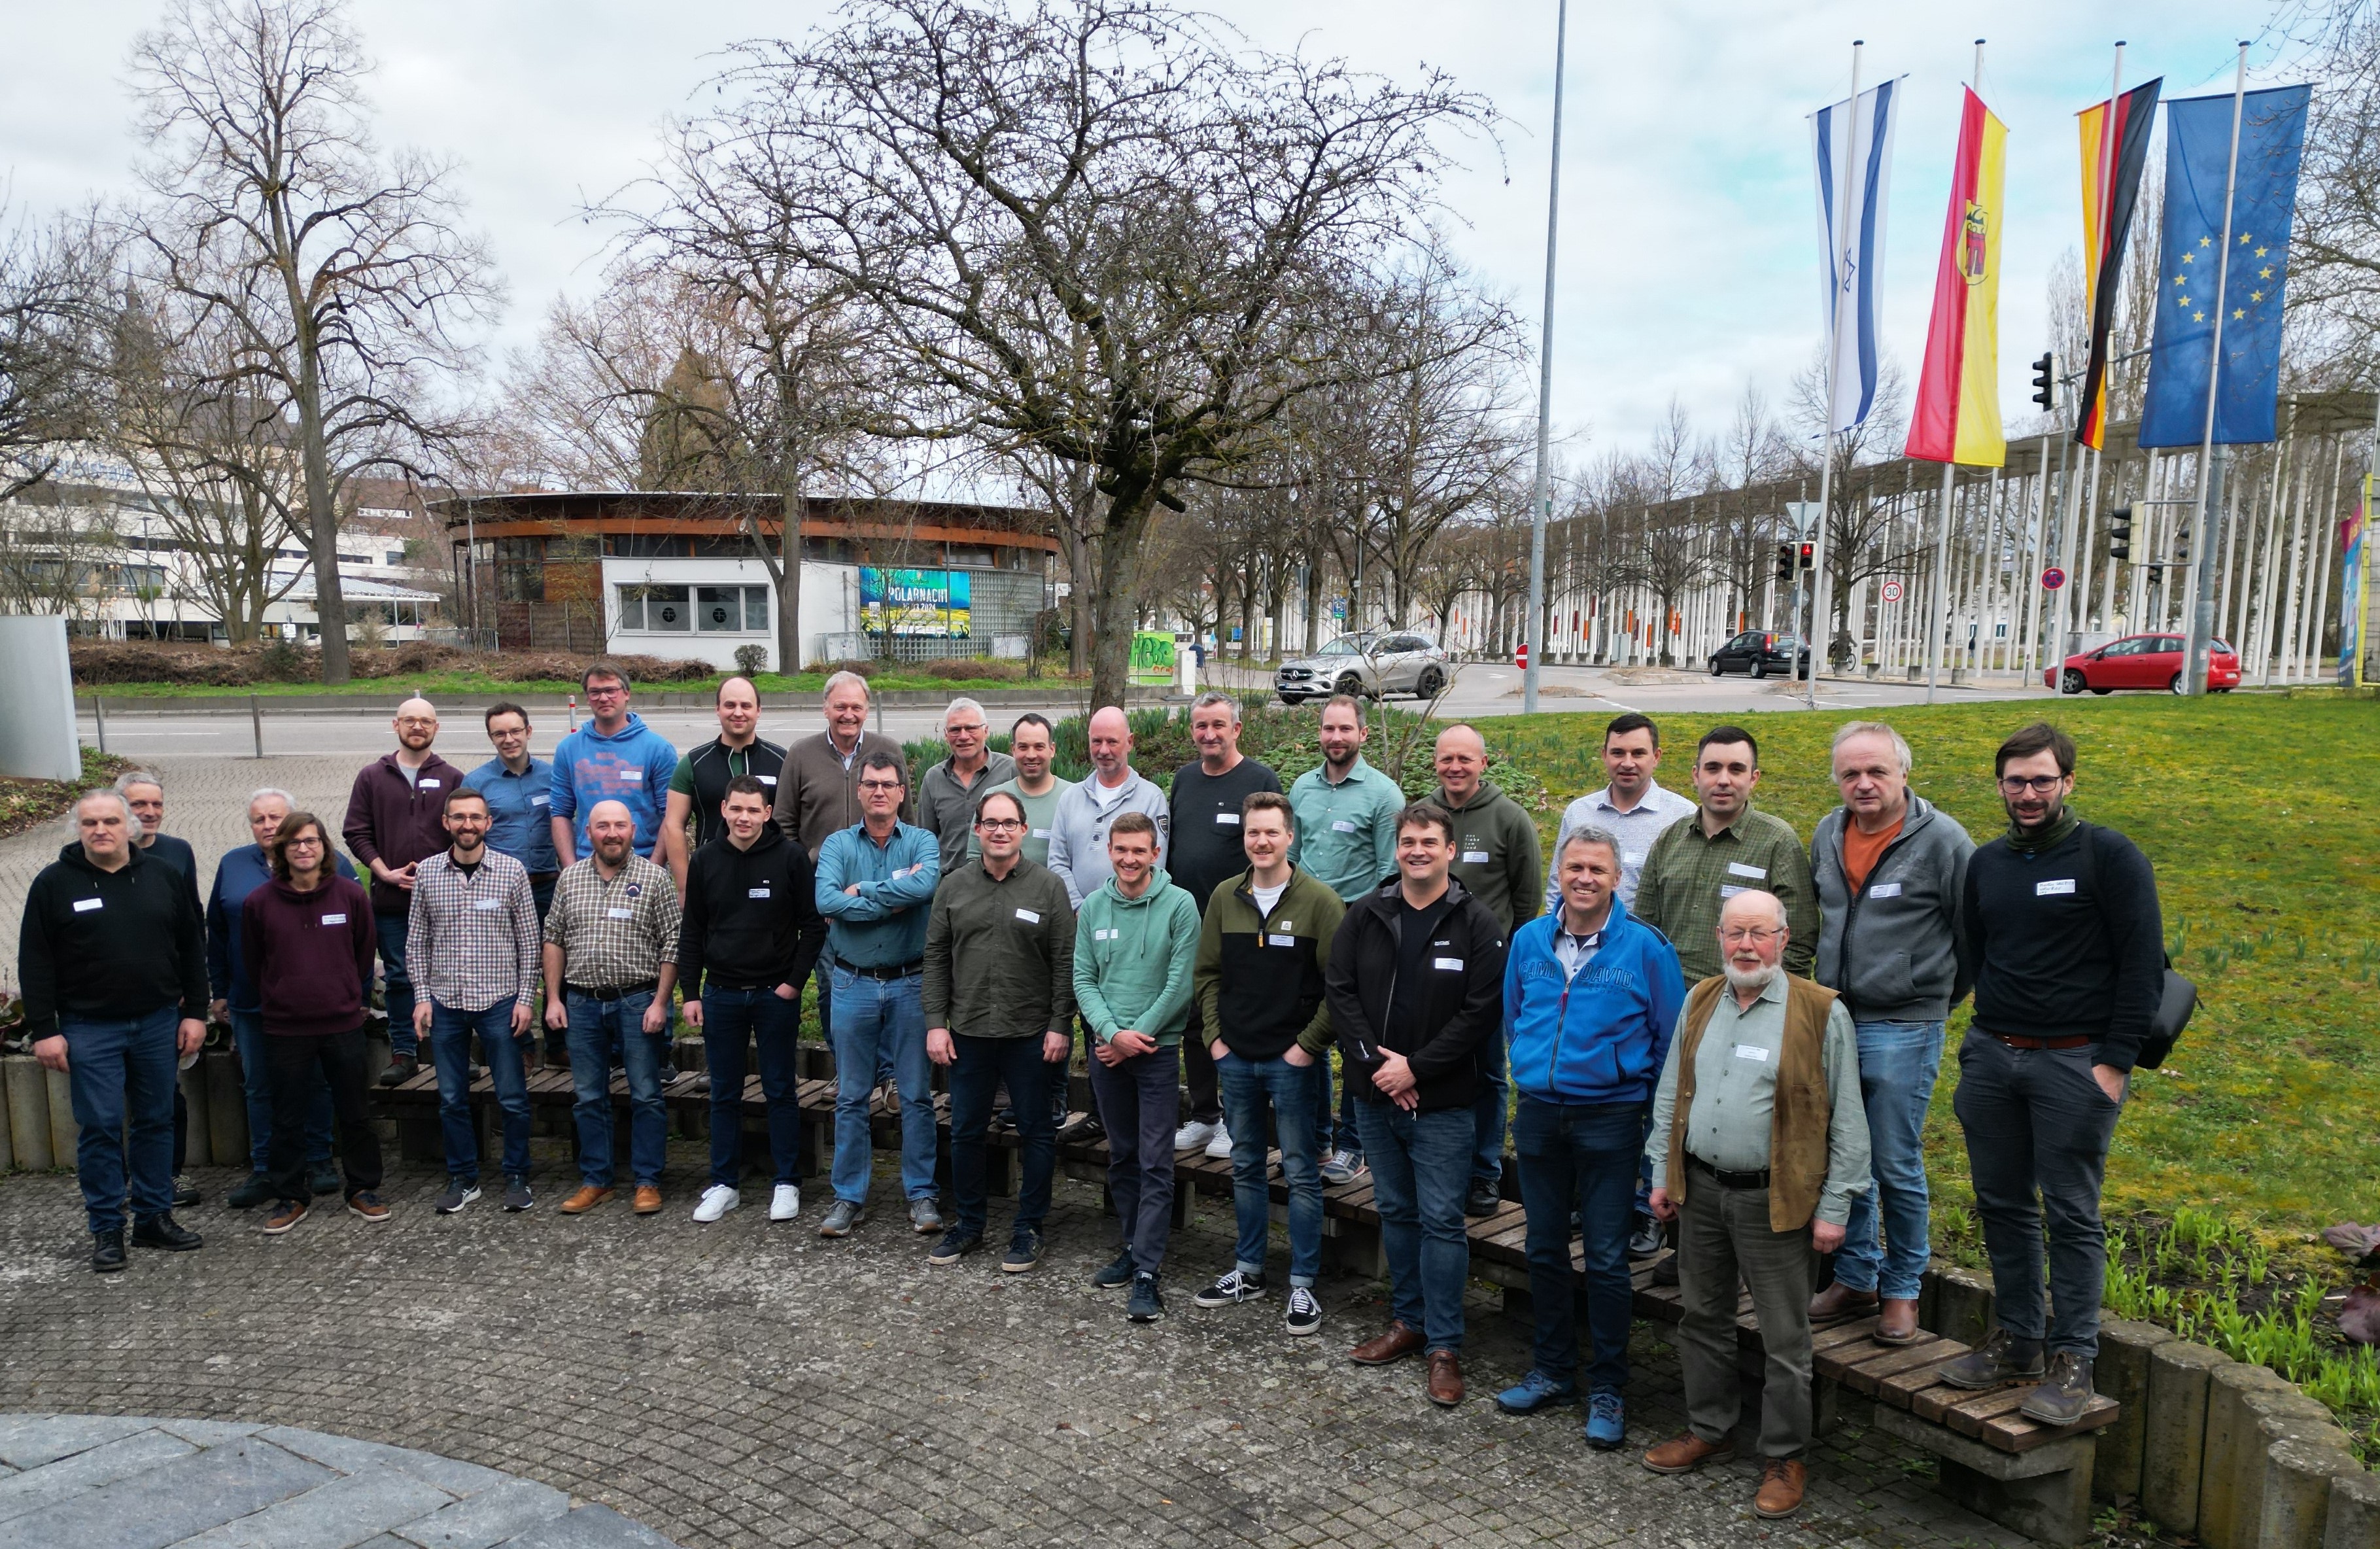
x,y
401,1042
1336,1130
1421,1166
1898,1064
120,1077
450,1049
1581,1156
1487,1117
983,1064
247,1037
599,1031
729,1018
1255,1090
876,1021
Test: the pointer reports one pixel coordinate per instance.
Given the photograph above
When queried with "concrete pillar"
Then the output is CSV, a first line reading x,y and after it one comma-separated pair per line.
x,y
2233,1451
2276,1416
2354,1519
2122,1373
2298,1475
2172,1445
29,1113
65,1133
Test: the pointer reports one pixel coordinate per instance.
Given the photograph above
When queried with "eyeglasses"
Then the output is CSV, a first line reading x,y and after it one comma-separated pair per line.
x,y
997,825
1732,934
312,841
416,720
2017,784
975,730
880,784
615,691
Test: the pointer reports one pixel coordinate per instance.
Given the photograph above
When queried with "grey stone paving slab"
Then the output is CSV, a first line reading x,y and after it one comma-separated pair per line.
x,y
39,1489
481,1521
588,1527
344,1512
349,1455
168,1502
28,1440
207,1433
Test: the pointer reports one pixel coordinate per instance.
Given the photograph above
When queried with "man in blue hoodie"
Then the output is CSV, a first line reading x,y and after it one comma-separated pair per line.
x,y
1591,995
614,757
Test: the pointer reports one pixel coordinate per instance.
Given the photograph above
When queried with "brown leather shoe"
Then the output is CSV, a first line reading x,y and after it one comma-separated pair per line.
x,y
1839,1301
586,1199
1399,1342
1781,1480
1685,1452
1897,1325
1445,1379
649,1199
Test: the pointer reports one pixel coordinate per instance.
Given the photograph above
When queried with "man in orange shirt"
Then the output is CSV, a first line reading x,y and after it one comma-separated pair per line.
x,y
1891,873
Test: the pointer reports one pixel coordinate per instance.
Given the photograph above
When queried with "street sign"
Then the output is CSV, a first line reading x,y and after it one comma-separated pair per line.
x,y
1890,592
1521,657
2052,579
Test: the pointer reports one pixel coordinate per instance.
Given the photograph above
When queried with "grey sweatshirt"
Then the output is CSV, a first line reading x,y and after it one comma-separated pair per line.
x,y
1893,952
1078,834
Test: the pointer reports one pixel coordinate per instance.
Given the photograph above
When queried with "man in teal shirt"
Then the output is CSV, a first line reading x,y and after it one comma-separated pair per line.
x,y
876,887
1346,839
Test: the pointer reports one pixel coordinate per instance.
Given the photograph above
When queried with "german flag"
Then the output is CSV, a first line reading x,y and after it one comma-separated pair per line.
x,y
2110,188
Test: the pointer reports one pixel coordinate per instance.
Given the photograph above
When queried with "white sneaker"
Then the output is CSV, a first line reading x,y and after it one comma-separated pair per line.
x,y
717,1201
785,1203
1194,1135
1220,1146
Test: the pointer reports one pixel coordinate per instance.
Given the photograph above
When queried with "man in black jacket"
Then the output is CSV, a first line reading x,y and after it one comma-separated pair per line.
x,y
114,954
2062,928
1416,984
752,925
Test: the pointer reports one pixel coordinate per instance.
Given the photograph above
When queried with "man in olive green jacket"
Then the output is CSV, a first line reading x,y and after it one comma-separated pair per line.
x,y
1136,947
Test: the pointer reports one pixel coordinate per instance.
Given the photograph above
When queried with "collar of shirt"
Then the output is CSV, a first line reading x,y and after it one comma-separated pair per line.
x,y
1574,952
1650,800
1771,993
1734,830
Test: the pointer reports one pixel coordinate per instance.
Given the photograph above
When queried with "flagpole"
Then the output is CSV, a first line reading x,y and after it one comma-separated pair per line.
x,y
1542,498
2106,209
2210,456
1834,345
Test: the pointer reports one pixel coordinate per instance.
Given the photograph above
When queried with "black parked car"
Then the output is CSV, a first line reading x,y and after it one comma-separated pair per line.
x,y
1763,654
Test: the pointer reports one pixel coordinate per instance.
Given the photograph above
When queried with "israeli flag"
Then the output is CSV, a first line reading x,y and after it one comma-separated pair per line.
x,y
1854,151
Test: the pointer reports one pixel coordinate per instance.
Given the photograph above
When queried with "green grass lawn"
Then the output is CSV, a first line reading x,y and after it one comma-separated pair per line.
x,y
2260,815
472,683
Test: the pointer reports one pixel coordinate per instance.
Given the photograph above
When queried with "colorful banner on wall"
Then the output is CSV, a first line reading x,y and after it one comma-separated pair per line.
x,y
921,605
2354,592
1958,414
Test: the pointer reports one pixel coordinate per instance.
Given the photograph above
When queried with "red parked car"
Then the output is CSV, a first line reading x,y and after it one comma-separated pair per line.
x,y
2142,662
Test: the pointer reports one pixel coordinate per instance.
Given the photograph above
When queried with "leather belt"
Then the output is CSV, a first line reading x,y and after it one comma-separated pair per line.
x,y
885,975
1755,1179
618,991
2015,1041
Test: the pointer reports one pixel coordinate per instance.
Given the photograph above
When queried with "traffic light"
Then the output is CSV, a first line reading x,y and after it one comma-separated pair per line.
x,y
1785,563
2119,532
2182,546
2044,380
1808,556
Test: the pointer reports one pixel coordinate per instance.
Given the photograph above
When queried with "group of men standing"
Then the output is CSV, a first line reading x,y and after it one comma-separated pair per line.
x,y
1705,1027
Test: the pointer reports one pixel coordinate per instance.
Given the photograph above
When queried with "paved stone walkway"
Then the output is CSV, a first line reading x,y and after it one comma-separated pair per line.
x,y
133,1483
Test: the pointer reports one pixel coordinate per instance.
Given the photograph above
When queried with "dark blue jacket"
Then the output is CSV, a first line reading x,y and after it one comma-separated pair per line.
x,y
1599,1037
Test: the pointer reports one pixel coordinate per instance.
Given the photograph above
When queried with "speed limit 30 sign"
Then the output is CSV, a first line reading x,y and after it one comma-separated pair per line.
x,y
1890,592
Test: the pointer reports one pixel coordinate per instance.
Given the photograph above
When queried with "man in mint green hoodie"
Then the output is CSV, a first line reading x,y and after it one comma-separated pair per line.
x,y
1135,950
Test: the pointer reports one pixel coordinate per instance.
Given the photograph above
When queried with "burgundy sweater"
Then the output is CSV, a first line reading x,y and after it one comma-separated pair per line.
x,y
396,820
309,956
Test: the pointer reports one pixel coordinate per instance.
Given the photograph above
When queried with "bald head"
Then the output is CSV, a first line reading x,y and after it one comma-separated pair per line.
x,y
1462,760
611,833
1752,906
417,728
1110,736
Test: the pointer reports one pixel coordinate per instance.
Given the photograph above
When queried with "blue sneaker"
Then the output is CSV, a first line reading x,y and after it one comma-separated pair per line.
x,y
1606,1423
1536,1391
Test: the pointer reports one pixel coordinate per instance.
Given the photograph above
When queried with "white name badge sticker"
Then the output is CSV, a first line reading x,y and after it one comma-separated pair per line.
x,y
486,905
1738,868
1104,935
1475,856
756,892
1041,832
84,906
1280,941
335,920
1341,825
766,779
1727,890
631,777
1450,964
1231,818
1885,890
540,800
1752,1052
2054,885
1030,917
429,784
616,912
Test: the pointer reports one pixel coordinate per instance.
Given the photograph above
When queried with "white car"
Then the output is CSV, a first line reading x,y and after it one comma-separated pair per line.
x,y
1372,666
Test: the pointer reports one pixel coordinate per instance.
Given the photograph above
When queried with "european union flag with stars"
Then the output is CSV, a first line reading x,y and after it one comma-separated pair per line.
x,y
2196,287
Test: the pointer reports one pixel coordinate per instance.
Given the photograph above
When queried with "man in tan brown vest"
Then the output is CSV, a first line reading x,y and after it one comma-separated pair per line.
x,y
1759,1142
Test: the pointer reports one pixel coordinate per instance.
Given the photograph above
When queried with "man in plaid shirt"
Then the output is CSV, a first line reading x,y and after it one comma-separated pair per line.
x,y
472,948
612,923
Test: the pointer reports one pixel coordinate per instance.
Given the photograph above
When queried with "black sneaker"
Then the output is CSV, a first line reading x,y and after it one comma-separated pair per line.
x,y
400,1069
1999,1359
163,1232
1482,1200
1023,1253
2064,1393
322,1177
516,1194
257,1191
1117,1275
107,1253
1004,1122
956,1244
1145,1306
186,1193
1305,1311
458,1194
1230,1287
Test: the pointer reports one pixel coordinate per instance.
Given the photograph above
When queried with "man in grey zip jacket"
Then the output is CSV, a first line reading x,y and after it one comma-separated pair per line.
x,y
1892,874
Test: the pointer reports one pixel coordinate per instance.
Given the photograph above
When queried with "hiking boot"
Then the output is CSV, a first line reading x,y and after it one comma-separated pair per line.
x,y
285,1214
368,1205
1232,1286
1024,1252
1686,1452
840,1217
163,1232
400,1069
1782,1482
1606,1421
956,1244
1839,1301
107,1253
1117,1275
257,1189
1482,1200
2064,1393
1145,1305
1999,1359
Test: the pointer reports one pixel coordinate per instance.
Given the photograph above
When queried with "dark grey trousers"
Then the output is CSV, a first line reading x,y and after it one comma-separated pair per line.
x,y
1723,1236
1141,1104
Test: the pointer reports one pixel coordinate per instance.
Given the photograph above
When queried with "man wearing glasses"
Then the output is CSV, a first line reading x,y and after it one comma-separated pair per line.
x,y
396,821
614,757
2067,946
947,795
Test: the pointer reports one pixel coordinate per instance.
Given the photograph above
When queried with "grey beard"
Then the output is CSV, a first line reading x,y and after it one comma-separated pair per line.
x,y
1748,981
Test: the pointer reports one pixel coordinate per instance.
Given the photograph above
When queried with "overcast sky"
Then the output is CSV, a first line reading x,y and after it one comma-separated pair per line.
x,y
1689,252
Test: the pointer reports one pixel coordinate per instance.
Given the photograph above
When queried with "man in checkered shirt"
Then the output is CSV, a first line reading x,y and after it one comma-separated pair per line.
x,y
472,948
612,925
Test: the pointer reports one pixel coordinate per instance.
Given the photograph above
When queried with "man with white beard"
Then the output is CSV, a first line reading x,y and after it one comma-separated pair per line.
x,y
1760,1175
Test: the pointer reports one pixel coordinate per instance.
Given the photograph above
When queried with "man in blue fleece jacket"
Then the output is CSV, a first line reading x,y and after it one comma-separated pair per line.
x,y
614,757
1591,995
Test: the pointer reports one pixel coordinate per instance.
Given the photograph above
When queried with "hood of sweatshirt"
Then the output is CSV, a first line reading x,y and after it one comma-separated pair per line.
x,y
1157,882
71,854
632,729
1485,794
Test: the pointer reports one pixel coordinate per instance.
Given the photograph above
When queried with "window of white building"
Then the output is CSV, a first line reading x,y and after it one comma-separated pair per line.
x,y
656,609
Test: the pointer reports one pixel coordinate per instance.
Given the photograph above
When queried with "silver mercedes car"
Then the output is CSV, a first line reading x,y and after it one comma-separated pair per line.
x,y
1396,662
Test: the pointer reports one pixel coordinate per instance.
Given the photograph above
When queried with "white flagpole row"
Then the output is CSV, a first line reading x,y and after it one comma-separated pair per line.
x,y
1836,264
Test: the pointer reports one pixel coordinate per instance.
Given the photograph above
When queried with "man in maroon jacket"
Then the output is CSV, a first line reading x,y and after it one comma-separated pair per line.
x,y
394,822
308,937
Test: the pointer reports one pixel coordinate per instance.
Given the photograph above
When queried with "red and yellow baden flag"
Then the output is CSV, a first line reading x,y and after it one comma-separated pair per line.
x,y
1957,418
